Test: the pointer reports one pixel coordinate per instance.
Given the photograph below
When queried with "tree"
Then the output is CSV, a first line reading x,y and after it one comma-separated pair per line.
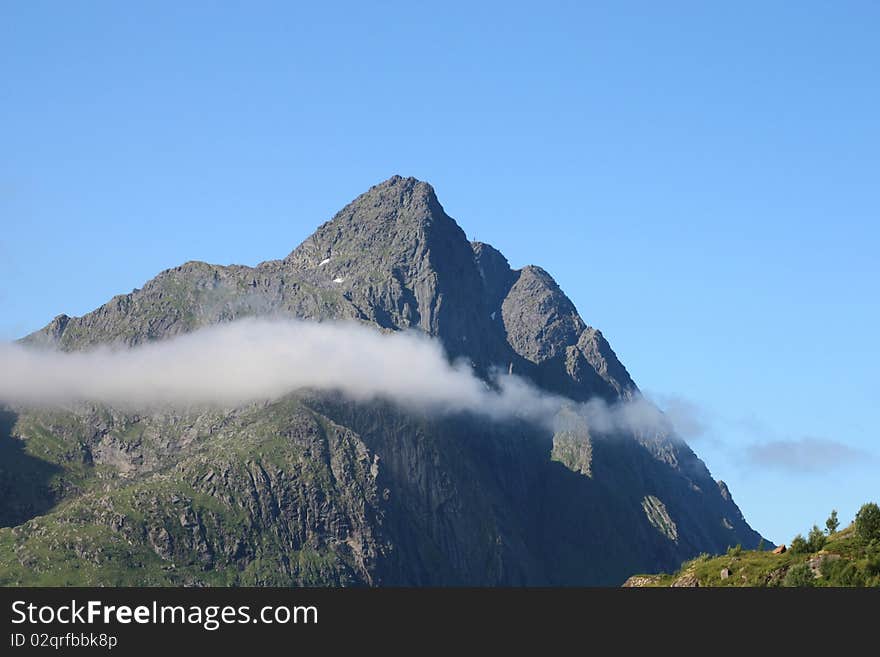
x,y
816,539
868,522
799,545
832,523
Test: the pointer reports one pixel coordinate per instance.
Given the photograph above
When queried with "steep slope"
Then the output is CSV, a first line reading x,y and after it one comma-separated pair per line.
x,y
314,489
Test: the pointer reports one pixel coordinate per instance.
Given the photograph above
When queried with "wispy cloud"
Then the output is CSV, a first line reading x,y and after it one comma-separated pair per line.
x,y
691,421
805,455
253,360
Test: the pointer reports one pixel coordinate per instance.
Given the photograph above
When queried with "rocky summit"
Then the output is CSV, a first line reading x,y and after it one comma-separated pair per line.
x,y
315,489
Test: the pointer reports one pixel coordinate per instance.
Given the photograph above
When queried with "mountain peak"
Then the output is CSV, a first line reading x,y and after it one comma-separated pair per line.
x,y
398,198
400,261
406,186
392,257
401,193
397,211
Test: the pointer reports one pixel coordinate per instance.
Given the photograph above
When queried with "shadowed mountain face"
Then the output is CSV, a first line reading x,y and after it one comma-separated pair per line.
x,y
316,489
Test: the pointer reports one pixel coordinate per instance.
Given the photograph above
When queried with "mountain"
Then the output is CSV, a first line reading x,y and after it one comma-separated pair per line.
x,y
315,489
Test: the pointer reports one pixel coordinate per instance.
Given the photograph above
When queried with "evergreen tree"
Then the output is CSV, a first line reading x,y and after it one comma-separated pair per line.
x,y
832,523
868,522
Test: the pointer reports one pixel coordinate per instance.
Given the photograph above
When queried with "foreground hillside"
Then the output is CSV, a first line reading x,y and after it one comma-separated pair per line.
x,y
844,560
315,489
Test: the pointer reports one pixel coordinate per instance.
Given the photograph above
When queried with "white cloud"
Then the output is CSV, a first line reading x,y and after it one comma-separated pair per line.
x,y
252,360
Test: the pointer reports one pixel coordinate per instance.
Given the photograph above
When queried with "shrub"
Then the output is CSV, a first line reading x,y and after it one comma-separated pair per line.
x,y
868,522
799,545
838,572
816,539
799,575
735,551
832,523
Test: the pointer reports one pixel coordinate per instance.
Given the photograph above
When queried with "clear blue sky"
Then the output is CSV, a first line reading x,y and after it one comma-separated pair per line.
x,y
701,179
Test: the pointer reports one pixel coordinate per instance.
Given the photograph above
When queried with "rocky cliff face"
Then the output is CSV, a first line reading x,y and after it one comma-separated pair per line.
x,y
319,490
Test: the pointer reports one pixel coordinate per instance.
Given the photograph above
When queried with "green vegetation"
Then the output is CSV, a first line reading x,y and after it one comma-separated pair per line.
x,y
200,515
799,545
832,523
868,522
799,575
845,558
816,539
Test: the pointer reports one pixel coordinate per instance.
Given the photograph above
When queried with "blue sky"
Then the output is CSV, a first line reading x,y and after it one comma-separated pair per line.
x,y
701,179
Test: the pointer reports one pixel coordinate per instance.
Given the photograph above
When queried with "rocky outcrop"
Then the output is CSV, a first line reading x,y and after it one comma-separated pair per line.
x,y
639,581
687,581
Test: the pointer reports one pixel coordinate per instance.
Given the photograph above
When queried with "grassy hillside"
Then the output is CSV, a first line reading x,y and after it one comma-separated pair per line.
x,y
843,560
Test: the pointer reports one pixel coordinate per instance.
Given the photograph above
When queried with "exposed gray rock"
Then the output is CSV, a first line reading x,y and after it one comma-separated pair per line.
x,y
686,580
658,516
638,581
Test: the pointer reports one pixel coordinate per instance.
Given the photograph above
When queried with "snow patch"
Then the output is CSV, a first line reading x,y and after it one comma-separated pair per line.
x,y
492,316
338,279
324,262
